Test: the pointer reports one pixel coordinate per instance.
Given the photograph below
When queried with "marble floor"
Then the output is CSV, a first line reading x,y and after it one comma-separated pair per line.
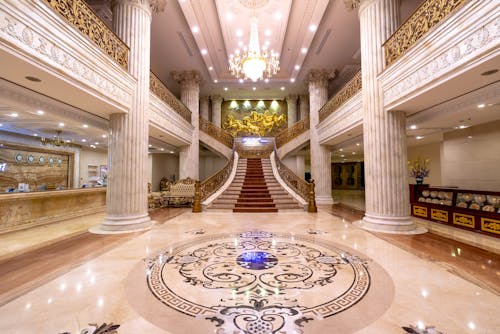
x,y
352,198
253,273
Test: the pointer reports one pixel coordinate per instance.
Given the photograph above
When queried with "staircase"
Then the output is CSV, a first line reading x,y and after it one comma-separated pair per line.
x,y
254,189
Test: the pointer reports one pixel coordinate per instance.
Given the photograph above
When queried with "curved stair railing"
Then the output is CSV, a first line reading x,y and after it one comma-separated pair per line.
x,y
209,186
292,132
217,132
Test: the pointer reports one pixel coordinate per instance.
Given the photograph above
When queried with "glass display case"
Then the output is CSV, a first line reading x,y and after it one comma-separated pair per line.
x,y
467,209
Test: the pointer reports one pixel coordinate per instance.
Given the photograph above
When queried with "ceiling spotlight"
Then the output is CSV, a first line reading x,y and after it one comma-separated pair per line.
x,y
353,153
92,146
313,27
240,43
40,112
85,126
278,16
413,127
357,144
267,43
84,140
225,88
297,67
462,126
282,88
14,114
241,80
162,149
61,124
216,81
266,80
419,137
239,32
229,16
35,134
292,80
150,145
470,137
1,124
482,105
267,32
67,140
342,155
195,29
104,136
171,152
210,68
204,51
341,149
96,143
303,50
254,88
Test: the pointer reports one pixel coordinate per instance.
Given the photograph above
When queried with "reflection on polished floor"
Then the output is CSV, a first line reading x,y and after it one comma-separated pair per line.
x,y
255,273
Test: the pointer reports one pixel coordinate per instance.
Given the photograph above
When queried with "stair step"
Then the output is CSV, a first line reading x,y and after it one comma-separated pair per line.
x,y
255,210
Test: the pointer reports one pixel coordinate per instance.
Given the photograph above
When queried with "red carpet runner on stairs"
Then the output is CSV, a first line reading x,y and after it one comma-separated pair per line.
x,y
254,195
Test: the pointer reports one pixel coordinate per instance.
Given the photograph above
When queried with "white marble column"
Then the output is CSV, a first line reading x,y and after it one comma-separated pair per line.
x,y
126,196
291,102
321,164
189,156
301,166
204,107
216,109
384,135
304,106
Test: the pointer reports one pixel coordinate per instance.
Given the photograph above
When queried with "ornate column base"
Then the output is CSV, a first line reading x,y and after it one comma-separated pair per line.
x,y
386,224
121,224
324,200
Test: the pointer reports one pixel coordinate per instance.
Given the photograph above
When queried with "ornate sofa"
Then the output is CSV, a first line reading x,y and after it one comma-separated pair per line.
x,y
180,193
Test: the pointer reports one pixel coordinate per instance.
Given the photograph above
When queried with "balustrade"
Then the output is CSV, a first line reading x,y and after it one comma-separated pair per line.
x,y
292,132
159,89
349,90
214,182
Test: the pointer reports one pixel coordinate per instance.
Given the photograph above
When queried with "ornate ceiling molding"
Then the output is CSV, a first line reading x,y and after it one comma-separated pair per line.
x,y
184,77
320,76
352,4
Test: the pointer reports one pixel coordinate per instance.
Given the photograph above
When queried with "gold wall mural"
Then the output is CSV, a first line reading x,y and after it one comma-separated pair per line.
x,y
254,118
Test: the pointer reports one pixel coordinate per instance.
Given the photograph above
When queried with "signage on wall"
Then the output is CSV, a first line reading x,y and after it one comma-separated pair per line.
x,y
3,167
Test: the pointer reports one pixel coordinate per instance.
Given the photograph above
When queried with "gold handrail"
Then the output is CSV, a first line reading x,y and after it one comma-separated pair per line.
x,y
214,182
216,132
290,133
428,15
349,90
300,186
81,16
158,88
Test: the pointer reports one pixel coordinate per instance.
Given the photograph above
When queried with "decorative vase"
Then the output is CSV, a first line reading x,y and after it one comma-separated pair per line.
x,y
419,180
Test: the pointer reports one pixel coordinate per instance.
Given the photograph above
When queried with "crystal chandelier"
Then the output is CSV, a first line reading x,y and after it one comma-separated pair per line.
x,y
252,63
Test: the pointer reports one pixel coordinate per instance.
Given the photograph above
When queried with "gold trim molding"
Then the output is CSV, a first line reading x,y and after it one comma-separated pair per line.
x,y
427,16
490,225
292,132
349,90
159,89
216,132
463,220
78,14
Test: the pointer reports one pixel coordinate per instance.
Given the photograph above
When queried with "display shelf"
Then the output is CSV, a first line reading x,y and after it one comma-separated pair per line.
x,y
472,210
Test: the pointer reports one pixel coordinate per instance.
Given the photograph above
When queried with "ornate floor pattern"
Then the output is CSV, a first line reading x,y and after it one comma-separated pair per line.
x,y
259,282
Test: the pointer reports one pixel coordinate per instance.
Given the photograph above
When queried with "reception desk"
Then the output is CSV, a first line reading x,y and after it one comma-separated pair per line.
x,y
24,210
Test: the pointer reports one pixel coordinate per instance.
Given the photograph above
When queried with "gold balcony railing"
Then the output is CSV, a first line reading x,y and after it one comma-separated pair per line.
x,y
290,133
300,186
216,132
428,15
160,90
78,14
214,182
349,90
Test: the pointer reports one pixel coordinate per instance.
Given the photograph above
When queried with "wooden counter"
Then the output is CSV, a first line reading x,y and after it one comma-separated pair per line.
x,y
24,210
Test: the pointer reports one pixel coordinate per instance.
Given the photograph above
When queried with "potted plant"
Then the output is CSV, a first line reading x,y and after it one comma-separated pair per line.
x,y
419,169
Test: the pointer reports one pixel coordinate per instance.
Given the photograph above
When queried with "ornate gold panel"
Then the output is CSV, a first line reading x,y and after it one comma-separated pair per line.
x,y
159,89
290,133
490,225
440,215
349,90
420,211
463,220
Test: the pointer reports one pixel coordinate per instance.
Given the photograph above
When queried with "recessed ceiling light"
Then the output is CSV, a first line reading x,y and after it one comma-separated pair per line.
x,y
357,144
297,67
482,105
413,127
341,149
267,43
61,124
267,32
150,145
171,152
1,124
462,126
104,136
278,16
229,16
67,140
85,126
419,137
303,50
313,27
35,134
96,143
92,146
162,149
210,68
240,43
225,88
14,114
195,29
84,140
342,155
266,80
216,81
204,51
239,32
490,72
34,79
469,137
353,152
241,80
292,80
254,88
40,112
282,88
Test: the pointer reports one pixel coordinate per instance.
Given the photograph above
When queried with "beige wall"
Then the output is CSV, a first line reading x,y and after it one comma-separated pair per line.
x,y
210,164
472,163
429,151
163,164
91,157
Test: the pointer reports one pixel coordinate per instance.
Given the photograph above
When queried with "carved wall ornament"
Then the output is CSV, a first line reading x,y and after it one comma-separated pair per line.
x,y
352,4
320,76
186,77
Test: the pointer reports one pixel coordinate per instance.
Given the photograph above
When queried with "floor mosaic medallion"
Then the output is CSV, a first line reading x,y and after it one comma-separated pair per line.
x,y
253,282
